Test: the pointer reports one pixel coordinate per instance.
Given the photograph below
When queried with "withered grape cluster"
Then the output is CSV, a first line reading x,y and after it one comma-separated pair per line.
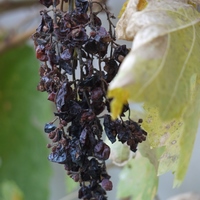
x,y
79,58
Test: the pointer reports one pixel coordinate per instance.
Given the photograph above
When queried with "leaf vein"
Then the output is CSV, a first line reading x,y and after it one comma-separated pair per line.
x,y
181,73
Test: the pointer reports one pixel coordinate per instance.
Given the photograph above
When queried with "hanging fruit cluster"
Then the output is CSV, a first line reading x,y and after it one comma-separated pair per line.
x,y
79,58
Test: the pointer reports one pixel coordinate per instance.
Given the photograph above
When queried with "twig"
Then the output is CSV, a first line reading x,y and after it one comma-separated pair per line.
x,y
15,40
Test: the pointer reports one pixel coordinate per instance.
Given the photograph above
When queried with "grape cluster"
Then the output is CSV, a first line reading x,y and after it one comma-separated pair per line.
x,y
79,58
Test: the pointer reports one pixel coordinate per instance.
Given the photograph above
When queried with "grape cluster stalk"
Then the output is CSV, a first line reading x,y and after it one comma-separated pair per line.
x,y
79,58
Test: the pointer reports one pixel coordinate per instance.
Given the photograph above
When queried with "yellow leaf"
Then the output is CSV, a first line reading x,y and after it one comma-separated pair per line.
x,y
141,5
187,138
163,58
165,134
161,71
123,9
194,3
117,103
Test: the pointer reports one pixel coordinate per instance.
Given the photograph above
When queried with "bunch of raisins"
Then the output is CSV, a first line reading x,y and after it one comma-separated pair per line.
x,y
79,58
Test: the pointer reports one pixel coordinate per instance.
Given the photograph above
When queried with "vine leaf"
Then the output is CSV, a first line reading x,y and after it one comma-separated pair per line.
x,y
163,57
23,156
123,8
153,154
162,71
141,188
163,134
191,119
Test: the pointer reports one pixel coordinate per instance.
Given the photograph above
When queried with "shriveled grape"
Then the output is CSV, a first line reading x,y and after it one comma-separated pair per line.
x,y
79,59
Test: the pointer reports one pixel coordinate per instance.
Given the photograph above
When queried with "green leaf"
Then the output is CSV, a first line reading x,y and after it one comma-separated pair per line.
x,y
24,110
162,71
138,180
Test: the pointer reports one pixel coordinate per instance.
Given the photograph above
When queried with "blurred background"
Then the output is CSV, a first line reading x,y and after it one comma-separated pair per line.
x,y
25,172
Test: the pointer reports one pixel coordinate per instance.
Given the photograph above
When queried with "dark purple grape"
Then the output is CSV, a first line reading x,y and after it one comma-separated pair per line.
x,y
106,152
97,21
58,156
111,68
120,51
63,93
65,65
84,193
99,147
40,53
84,136
57,137
90,81
82,5
79,18
52,96
106,184
110,128
49,127
102,151
66,55
96,93
87,116
91,46
46,24
79,59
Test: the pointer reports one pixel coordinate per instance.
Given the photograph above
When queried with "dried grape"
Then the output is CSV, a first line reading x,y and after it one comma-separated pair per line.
x,y
79,59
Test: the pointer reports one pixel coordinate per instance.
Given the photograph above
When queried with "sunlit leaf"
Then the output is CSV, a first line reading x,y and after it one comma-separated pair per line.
x,y
162,71
117,103
123,8
177,136
163,134
153,154
23,152
141,5
163,57
158,131
138,180
191,119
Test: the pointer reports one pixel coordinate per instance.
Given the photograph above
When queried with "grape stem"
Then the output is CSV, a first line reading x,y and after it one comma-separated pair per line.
x,y
71,5
61,5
